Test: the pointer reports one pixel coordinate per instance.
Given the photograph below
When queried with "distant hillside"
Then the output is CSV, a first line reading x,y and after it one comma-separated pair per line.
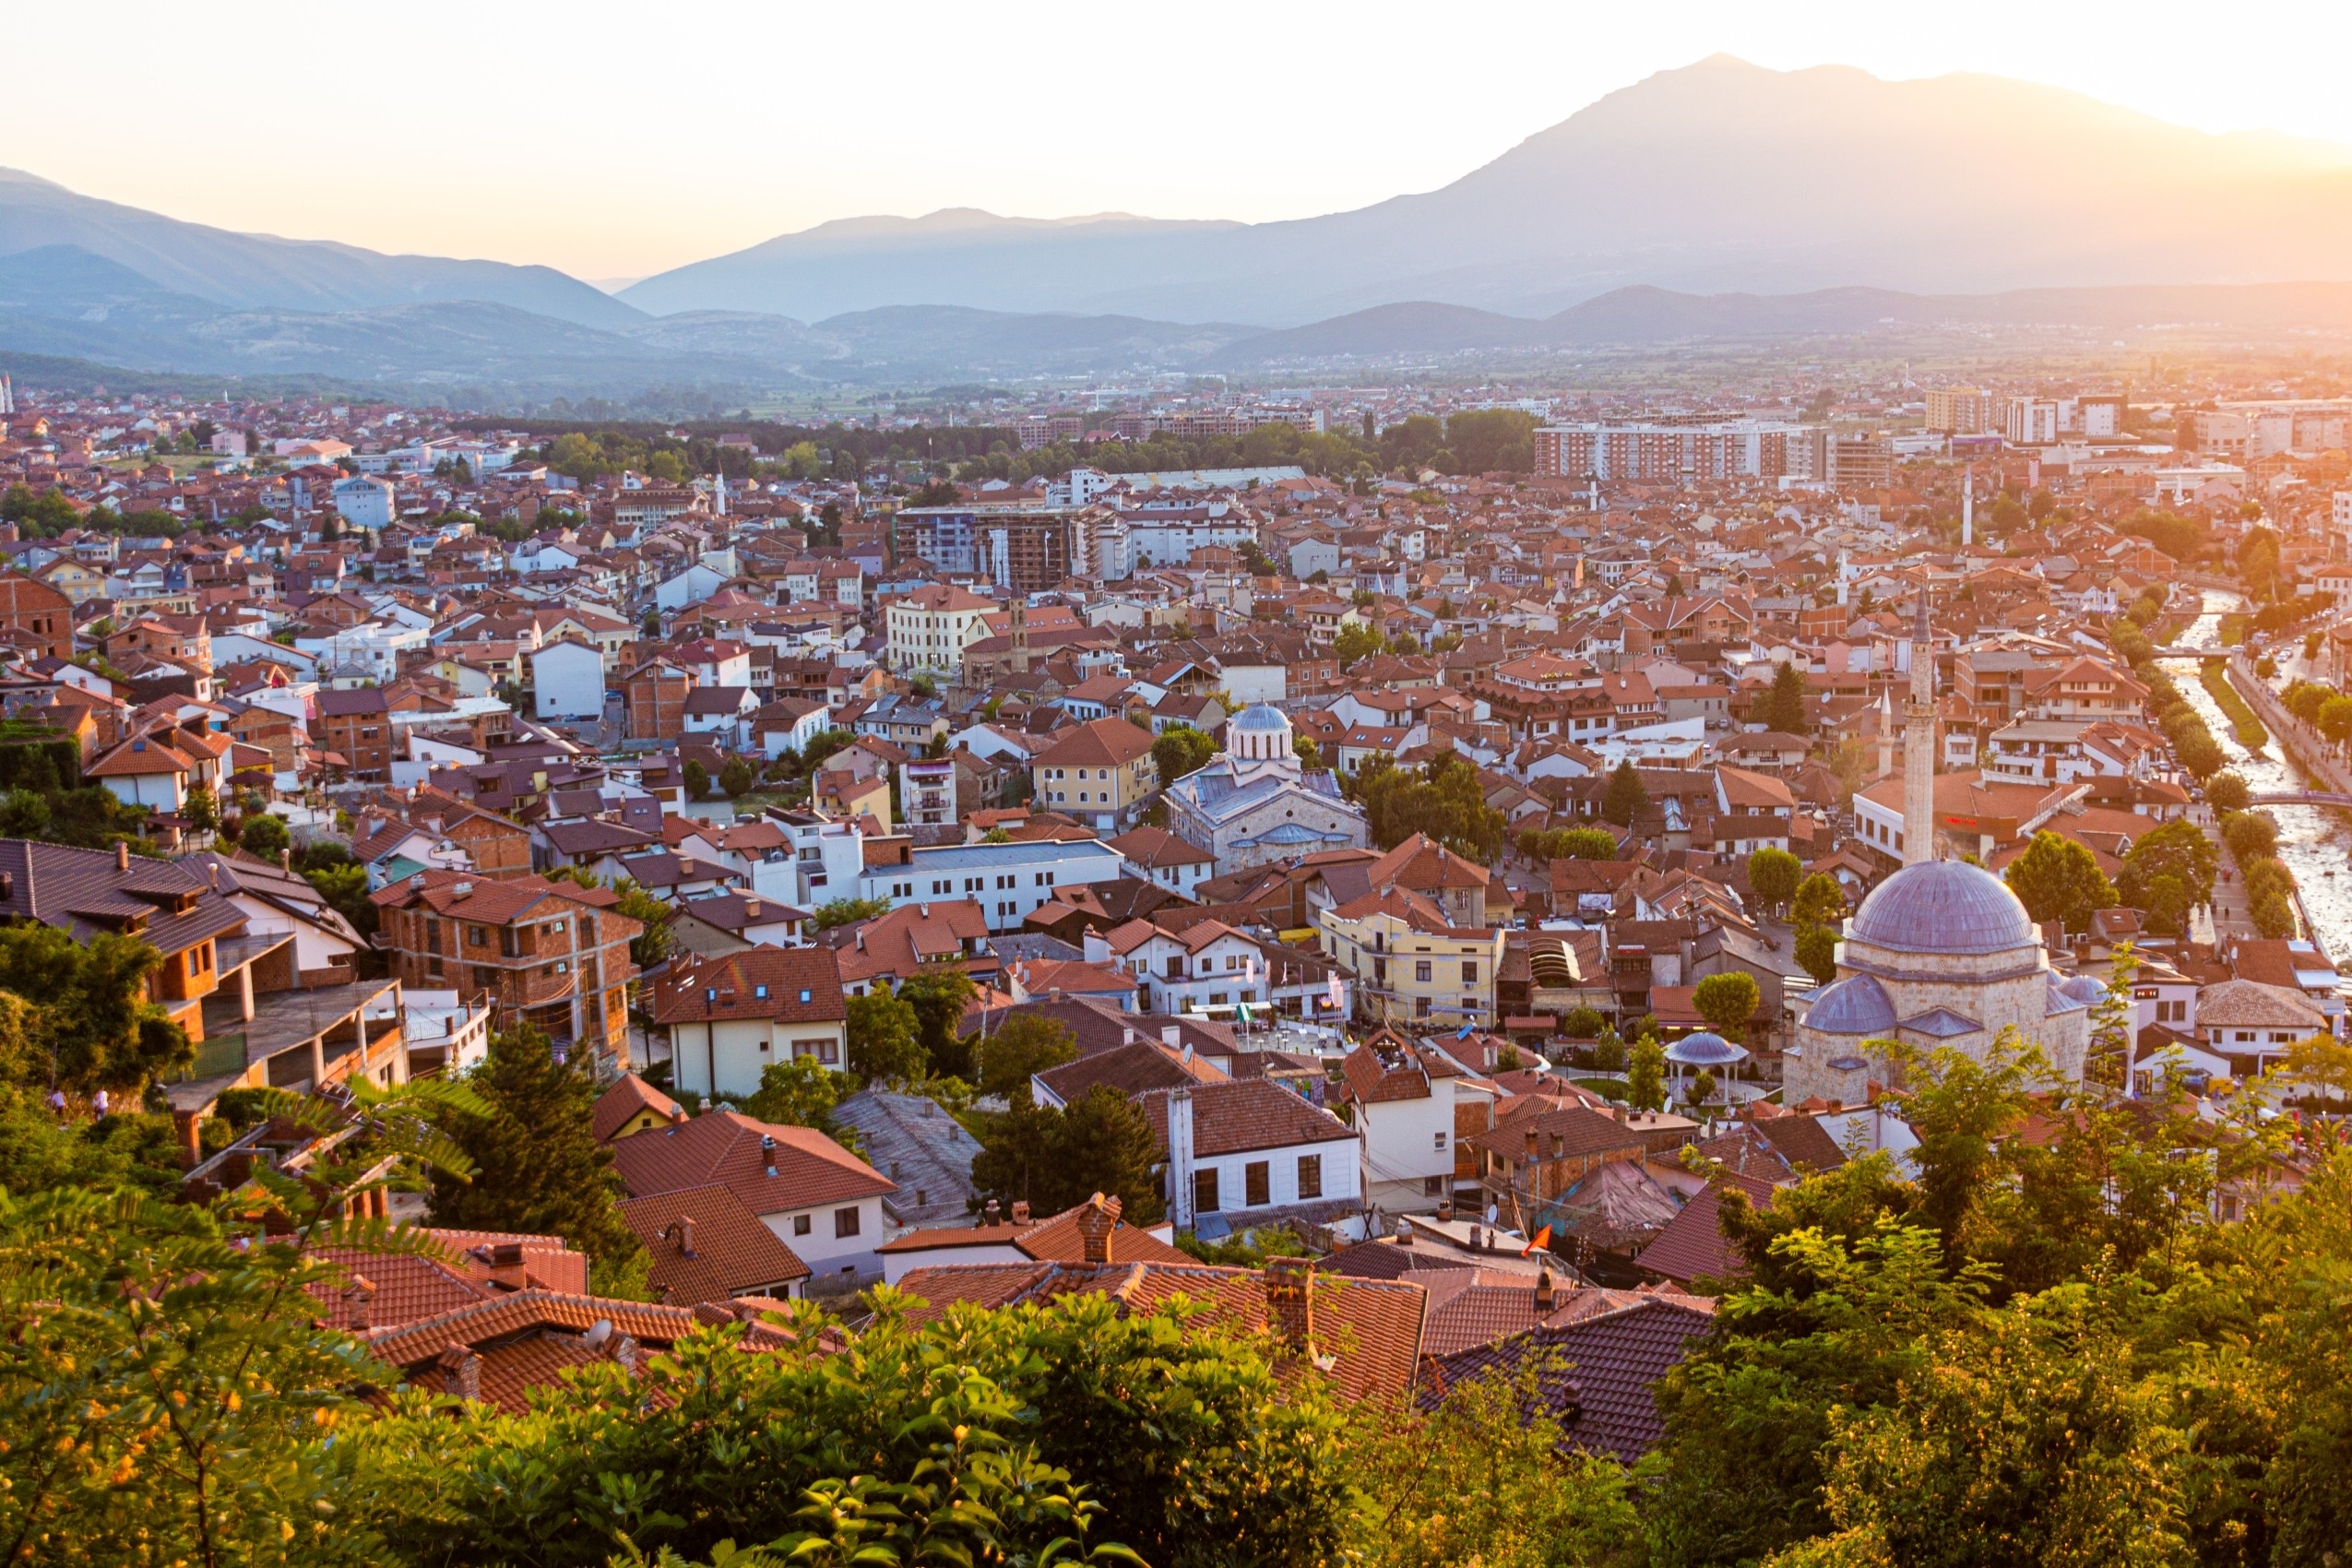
x,y
1721,175
249,271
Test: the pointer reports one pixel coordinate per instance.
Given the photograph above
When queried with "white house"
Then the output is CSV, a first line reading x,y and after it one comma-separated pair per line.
x,y
819,1198
366,502
1008,880
567,680
1400,1099
733,1015
1206,968
1253,1152
692,585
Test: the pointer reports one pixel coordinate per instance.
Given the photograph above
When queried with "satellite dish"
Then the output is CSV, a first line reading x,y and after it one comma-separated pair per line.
x,y
599,1332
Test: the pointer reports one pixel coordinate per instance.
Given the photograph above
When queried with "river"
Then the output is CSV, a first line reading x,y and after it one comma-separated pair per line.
x,y
2313,840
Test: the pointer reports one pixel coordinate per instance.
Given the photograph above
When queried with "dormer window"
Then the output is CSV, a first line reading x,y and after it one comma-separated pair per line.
x,y
760,992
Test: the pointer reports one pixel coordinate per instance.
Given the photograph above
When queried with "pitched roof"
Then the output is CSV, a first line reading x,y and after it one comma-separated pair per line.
x,y
1691,1246
725,1148
628,1096
1244,1115
1599,1372
1099,742
788,985
705,1246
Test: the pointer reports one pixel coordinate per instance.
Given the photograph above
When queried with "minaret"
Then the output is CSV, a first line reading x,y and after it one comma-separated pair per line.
x,y
1885,737
1919,741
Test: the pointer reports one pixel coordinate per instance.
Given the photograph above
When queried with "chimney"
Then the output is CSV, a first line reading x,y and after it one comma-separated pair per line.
x,y
767,1153
677,1114
1020,1211
1533,1155
1289,1301
1180,1158
1621,1113
212,874
996,1214
750,909
684,1226
1096,1222
122,855
625,1352
1171,1035
1545,1296
360,1295
286,859
507,1265
461,1373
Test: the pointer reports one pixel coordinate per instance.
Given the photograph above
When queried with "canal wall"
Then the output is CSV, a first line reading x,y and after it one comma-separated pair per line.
x,y
2298,743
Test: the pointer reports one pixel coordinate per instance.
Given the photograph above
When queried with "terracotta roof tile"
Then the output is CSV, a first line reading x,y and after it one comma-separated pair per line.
x,y
705,1246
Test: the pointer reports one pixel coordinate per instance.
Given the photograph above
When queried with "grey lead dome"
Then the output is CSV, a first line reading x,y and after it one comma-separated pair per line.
x,y
1944,906
1855,1005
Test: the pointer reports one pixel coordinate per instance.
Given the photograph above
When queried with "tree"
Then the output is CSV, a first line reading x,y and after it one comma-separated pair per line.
x,y
2250,836
1772,875
1700,1089
1023,1045
1783,707
202,809
884,1047
1645,1075
1821,900
1817,952
264,835
1568,844
2114,1029
803,1092
2057,879
2335,720
737,776
537,1167
1180,750
697,780
1609,1050
2228,792
1055,1157
1625,800
939,997
654,942
1356,643
346,891
1442,800
1583,1023
1727,1001
845,911
76,1015
2168,872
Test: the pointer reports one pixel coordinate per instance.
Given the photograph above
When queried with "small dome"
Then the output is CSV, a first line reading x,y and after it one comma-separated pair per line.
x,y
1259,716
1855,1005
1944,906
2068,996
2085,989
1706,1049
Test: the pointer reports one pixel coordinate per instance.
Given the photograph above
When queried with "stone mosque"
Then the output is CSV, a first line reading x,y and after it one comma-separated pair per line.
x,y
1940,954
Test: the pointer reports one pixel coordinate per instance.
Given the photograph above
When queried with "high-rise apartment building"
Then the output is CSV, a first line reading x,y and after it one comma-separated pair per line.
x,y
1662,452
1960,411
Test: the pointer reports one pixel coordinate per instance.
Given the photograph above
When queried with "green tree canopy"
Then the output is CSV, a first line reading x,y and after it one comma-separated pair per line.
x,y
2057,879
884,1044
1727,1001
1645,1075
939,997
537,1166
1625,800
1772,875
1179,749
1783,707
1440,799
1023,1045
1055,1157
77,1016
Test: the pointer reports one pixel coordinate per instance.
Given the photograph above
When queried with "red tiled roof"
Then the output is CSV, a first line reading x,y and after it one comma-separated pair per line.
x,y
1245,1115
724,1147
789,985
732,1251
630,1095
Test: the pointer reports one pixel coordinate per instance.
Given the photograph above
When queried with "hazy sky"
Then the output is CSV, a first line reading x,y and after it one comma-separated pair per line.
x,y
613,140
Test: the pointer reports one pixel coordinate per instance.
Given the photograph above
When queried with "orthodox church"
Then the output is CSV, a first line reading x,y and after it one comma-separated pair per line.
x,y
1940,954
1256,804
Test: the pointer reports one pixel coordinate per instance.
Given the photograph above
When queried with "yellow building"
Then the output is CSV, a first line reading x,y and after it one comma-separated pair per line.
x,y
1412,970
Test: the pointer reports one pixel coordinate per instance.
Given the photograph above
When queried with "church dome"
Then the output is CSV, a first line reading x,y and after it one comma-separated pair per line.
x,y
1855,1005
1259,716
1944,906
1260,732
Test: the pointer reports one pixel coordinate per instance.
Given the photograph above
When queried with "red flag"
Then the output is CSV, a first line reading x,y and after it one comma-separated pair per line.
x,y
1542,1239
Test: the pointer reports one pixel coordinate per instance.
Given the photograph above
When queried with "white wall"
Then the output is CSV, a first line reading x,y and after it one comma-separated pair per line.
x,y
1339,1175
1401,1150
735,1051
825,1252
568,681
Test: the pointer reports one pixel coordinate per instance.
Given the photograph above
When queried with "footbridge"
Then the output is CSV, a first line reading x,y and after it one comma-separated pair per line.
x,y
2299,798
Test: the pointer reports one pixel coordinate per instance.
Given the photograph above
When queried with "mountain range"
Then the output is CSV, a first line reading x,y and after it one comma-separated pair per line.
x,y
1720,200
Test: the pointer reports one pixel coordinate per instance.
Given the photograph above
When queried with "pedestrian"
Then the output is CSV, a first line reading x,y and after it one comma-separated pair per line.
x,y
98,1104
57,1104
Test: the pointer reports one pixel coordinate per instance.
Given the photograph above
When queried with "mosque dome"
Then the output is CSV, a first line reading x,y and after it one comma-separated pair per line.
x,y
1705,1048
2085,989
1855,1005
1944,906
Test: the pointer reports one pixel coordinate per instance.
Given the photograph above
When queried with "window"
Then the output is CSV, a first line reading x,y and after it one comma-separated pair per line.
x,y
1434,1187
1439,1144
1469,972
1420,970
801,1225
1309,1176
1204,1191
844,1222
1256,1189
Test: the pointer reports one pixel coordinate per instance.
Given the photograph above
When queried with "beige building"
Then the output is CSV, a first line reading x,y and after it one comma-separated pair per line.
x,y
930,629
1099,772
1413,969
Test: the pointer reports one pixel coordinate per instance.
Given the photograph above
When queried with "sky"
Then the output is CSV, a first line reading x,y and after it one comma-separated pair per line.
x,y
615,141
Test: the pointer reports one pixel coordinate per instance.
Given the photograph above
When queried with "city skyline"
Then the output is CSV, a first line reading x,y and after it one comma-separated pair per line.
x,y
438,135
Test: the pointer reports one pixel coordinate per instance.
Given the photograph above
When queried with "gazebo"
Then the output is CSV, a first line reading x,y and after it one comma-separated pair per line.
x,y
1704,1052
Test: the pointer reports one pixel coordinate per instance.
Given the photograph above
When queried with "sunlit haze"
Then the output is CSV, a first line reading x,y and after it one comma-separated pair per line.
x,y
615,142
